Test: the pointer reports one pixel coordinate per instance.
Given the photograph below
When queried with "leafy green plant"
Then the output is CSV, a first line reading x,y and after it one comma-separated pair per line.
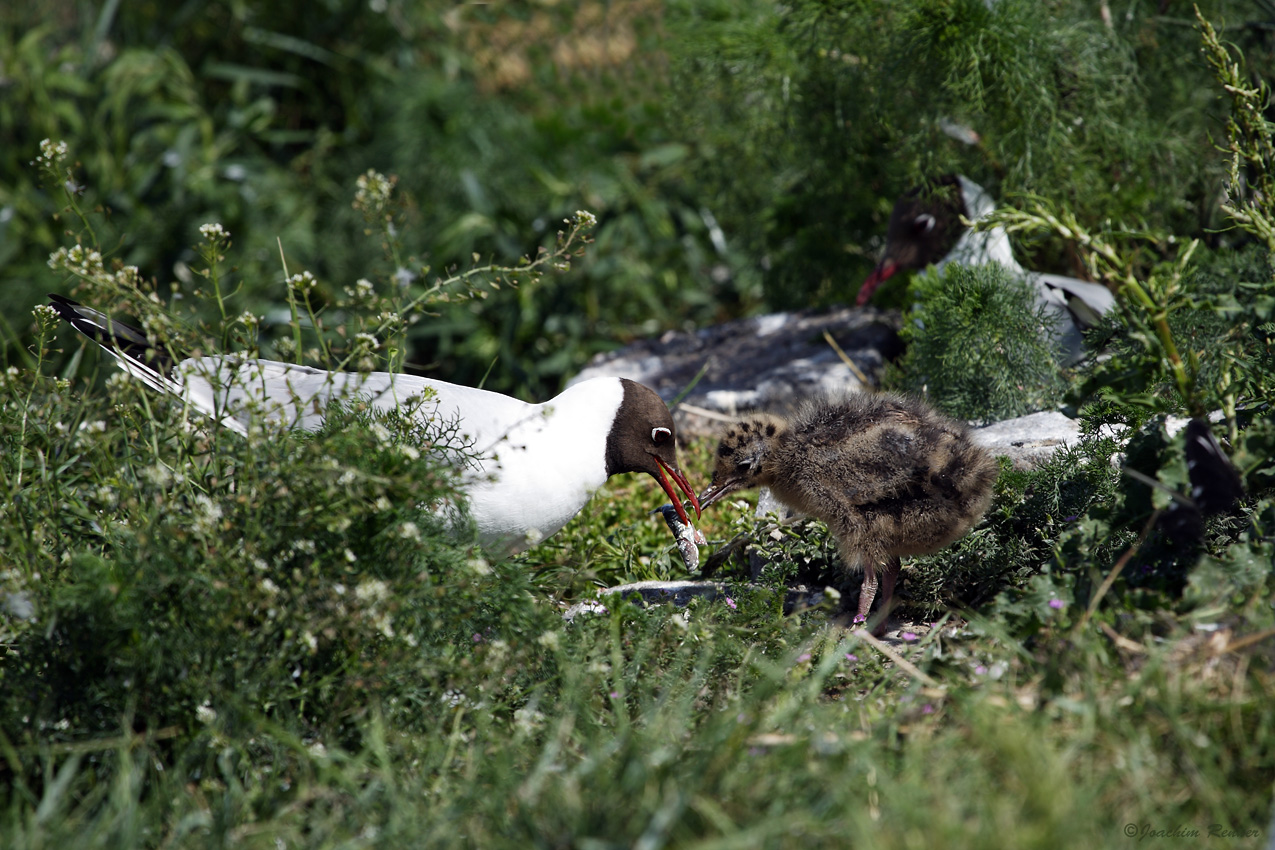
x,y
978,345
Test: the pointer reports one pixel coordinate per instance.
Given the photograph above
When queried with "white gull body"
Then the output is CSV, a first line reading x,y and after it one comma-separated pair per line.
x,y
528,469
532,467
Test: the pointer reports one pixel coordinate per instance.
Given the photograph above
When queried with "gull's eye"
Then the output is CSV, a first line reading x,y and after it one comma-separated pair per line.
x,y
924,223
661,435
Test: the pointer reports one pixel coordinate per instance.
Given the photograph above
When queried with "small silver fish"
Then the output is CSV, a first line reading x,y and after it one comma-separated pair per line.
x,y
688,537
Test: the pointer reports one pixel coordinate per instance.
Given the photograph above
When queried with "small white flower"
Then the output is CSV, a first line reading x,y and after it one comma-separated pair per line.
x,y
213,231
372,590
528,719
158,475
129,277
269,586
45,314
206,714
373,190
206,514
549,640
404,277
409,531
302,282
51,153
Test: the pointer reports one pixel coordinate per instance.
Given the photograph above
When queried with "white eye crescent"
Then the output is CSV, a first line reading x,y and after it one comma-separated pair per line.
x,y
924,223
659,434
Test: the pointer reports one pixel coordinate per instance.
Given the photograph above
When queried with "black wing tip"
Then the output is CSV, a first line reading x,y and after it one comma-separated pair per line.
x,y
118,337
70,311
66,308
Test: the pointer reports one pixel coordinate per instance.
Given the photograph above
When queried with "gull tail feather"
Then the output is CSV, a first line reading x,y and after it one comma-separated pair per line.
x,y
138,355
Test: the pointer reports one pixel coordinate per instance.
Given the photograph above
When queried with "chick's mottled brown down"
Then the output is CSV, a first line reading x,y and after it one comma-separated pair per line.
x,y
889,476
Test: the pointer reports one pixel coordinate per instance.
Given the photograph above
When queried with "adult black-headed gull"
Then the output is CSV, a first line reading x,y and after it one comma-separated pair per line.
x,y
926,229
534,466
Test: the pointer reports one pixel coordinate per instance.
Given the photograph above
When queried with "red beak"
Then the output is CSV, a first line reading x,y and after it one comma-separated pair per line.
x,y
676,475
884,270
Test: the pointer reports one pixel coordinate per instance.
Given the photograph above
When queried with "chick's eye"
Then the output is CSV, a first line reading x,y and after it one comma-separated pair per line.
x,y
660,435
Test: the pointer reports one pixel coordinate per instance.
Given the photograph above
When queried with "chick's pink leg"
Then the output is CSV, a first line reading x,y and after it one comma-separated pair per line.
x,y
889,575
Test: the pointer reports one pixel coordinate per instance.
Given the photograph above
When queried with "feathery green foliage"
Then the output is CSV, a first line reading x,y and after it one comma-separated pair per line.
x,y
850,104
978,345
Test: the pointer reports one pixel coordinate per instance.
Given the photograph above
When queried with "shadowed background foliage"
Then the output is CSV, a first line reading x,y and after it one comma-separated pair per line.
x,y
739,156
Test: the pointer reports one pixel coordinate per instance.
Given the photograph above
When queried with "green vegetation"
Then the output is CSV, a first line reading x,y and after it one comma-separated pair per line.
x,y
209,641
975,347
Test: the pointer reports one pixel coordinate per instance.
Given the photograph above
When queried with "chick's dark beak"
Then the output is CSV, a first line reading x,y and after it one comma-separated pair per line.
x,y
716,492
676,474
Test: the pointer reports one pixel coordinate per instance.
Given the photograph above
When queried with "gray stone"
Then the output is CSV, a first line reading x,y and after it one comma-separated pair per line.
x,y
766,362
1029,439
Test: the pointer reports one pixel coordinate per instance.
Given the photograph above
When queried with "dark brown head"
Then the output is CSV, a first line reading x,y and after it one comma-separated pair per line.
x,y
741,455
643,438
924,227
